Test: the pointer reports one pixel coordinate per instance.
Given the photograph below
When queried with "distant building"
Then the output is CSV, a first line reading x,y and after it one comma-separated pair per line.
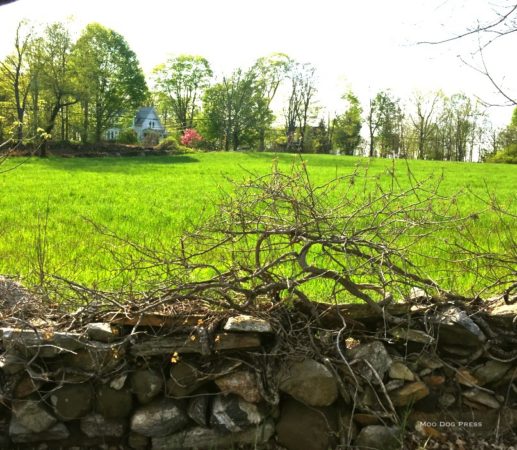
x,y
145,122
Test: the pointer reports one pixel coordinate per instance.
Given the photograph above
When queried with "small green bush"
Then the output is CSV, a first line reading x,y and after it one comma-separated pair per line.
x,y
127,136
508,155
171,145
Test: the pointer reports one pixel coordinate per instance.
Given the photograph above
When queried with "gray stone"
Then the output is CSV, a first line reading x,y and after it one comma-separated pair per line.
x,y
232,413
15,296
33,415
375,353
378,437
208,438
416,293
429,361
146,384
113,403
307,428
482,398
393,384
138,441
446,400
41,343
248,324
309,382
12,363
400,371
96,425
72,401
98,358
159,418
198,409
243,383
417,336
118,382
455,326
491,371
184,379
101,331
19,434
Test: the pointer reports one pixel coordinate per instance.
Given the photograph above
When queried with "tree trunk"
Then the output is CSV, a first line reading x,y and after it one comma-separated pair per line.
x,y
86,122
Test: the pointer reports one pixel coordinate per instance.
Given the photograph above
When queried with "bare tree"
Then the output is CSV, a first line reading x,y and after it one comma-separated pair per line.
x,y
303,89
501,24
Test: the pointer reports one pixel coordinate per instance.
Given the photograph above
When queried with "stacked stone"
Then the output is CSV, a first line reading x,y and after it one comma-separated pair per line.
x,y
195,390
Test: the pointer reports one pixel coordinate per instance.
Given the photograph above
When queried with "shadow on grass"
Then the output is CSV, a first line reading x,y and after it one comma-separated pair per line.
x,y
122,164
314,160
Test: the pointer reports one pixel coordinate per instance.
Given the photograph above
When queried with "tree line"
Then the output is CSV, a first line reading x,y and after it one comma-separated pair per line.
x,y
75,90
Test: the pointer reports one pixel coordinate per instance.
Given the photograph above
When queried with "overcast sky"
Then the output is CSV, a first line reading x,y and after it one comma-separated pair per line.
x,y
364,45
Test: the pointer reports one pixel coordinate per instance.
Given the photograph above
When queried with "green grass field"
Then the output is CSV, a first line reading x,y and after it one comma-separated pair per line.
x,y
46,206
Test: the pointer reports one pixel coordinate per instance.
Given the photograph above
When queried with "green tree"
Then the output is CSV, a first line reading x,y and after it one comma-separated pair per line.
x,y
180,83
347,126
271,70
507,143
108,78
53,80
232,110
385,125
16,73
299,105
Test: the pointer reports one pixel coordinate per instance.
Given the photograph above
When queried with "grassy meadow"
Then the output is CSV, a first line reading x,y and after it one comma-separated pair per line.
x,y
47,206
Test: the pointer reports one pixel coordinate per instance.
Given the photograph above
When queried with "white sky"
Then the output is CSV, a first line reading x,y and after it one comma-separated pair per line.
x,y
364,45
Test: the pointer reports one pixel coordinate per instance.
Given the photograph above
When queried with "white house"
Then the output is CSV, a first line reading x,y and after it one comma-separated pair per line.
x,y
145,121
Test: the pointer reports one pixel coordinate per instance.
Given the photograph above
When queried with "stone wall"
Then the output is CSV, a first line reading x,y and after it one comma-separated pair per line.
x,y
284,381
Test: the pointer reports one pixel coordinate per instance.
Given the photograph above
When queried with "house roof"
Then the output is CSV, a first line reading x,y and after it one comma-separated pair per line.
x,y
142,114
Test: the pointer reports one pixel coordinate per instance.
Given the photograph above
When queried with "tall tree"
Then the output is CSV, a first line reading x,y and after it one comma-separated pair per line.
x,y
347,126
302,91
16,71
108,78
384,120
231,110
180,82
271,70
53,73
424,121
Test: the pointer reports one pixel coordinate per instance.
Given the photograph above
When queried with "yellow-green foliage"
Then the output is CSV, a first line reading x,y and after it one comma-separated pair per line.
x,y
48,205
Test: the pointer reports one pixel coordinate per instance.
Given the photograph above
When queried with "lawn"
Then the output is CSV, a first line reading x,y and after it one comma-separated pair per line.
x,y
47,206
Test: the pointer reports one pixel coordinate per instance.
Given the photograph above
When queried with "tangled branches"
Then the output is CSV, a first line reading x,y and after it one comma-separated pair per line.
x,y
280,236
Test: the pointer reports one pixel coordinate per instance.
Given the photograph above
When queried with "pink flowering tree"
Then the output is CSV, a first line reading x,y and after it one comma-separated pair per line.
x,y
190,138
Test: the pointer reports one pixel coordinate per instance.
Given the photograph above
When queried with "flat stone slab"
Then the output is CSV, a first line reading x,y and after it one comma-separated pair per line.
x,y
96,425
159,418
410,393
19,434
45,344
191,344
208,438
102,332
246,323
